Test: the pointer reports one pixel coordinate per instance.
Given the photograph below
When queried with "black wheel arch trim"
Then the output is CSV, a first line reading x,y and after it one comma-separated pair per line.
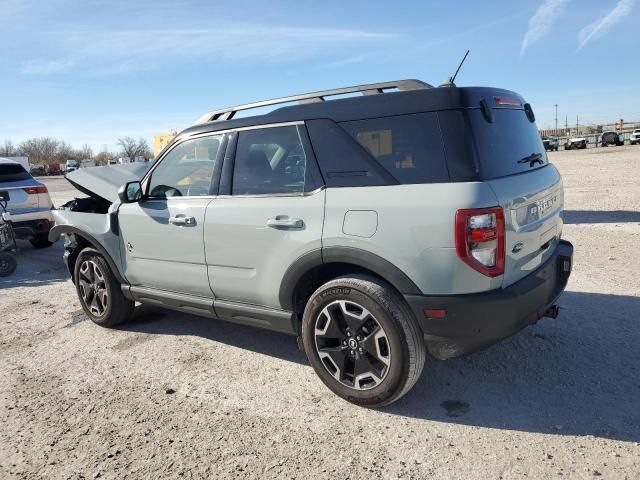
x,y
337,254
57,230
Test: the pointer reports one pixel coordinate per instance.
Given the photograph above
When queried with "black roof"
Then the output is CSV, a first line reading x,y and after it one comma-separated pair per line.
x,y
366,106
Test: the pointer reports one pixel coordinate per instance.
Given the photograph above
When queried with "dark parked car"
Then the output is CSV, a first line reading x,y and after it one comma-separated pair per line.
x,y
611,138
550,144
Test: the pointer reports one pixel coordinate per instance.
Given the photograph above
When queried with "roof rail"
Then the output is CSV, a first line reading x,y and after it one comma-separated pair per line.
x,y
371,89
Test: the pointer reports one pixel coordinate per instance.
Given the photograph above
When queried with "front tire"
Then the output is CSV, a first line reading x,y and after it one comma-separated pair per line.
x,y
362,340
99,291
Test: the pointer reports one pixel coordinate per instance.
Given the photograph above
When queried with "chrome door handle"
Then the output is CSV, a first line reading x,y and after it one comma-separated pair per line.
x,y
282,221
181,220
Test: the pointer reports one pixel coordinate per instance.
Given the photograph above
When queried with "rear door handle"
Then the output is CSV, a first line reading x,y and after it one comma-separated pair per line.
x,y
283,221
181,220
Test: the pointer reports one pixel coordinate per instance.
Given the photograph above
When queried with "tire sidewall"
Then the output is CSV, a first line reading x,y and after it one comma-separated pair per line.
x,y
398,368
90,254
12,264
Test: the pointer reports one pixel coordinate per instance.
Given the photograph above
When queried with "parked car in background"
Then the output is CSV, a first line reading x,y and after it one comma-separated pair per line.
x,y
28,203
611,138
72,165
38,170
635,137
576,143
372,228
54,169
550,144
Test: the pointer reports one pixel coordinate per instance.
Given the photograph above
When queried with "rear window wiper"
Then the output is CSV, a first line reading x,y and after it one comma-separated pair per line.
x,y
532,159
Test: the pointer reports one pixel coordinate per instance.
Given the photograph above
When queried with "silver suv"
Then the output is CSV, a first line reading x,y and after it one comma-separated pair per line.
x,y
375,228
28,203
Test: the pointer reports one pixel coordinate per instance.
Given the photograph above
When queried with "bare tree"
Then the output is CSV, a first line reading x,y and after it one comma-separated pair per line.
x,y
65,152
7,149
86,152
41,151
129,147
103,158
144,149
132,148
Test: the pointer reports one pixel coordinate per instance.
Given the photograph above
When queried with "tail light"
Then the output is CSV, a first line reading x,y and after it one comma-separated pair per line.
x,y
36,190
480,239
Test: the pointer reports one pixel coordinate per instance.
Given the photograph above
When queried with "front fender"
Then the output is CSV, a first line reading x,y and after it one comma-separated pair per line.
x,y
96,230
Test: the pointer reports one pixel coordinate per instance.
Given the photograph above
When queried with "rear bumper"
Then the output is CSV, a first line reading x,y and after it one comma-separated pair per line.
x,y
30,224
477,320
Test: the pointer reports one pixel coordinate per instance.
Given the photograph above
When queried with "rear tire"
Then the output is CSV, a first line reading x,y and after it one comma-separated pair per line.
x,y
98,290
362,340
41,241
8,264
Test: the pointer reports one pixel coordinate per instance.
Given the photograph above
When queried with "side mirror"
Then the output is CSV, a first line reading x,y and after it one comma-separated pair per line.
x,y
130,192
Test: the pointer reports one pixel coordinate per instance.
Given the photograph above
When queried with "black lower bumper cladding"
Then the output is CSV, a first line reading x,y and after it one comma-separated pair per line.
x,y
476,321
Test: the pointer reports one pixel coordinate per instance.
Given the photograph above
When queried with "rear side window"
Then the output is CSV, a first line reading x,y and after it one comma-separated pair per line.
x,y
409,147
509,145
10,172
269,161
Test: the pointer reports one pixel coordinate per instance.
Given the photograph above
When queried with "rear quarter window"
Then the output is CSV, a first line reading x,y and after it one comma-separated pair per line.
x,y
409,147
13,173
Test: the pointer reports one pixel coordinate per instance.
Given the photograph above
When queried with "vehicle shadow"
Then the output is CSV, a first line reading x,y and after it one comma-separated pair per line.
x,y
577,375
600,216
37,267
157,321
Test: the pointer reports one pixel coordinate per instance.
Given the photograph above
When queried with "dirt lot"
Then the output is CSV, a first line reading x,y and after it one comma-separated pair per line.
x,y
171,395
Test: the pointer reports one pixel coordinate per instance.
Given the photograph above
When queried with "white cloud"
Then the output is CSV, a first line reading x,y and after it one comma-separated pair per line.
x,y
542,21
346,61
45,67
601,26
121,51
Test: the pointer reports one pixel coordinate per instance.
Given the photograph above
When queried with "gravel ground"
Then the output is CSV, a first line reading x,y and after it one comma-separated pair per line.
x,y
175,396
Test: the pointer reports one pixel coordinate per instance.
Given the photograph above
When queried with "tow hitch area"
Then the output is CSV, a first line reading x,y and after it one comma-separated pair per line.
x,y
552,311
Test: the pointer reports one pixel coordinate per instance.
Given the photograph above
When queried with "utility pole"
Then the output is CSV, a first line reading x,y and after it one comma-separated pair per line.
x,y
556,132
576,124
566,124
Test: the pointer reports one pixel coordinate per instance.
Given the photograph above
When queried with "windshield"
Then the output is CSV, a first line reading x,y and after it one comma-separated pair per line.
x,y
13,173
509,145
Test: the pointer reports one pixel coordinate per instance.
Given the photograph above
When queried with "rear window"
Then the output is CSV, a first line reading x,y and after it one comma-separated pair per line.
x,y
409,147
507,146
13,173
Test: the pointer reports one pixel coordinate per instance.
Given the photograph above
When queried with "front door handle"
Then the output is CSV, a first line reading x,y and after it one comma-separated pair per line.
x,y
283,221
181,220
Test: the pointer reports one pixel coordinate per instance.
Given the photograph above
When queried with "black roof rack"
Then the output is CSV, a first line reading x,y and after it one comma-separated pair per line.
x,y
371,89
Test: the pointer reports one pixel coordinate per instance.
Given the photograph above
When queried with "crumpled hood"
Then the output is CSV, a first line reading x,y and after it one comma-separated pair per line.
x,y
104,182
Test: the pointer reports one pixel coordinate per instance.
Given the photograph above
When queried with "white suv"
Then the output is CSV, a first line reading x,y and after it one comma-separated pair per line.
x,y
635,137
28,203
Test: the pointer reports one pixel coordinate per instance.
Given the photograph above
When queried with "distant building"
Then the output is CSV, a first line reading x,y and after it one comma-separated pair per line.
x,y
161,140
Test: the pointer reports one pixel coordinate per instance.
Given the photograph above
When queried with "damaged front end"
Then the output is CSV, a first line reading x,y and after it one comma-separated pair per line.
x,y
92,221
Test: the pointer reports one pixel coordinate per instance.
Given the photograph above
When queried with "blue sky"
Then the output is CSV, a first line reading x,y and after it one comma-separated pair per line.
x,y
90,72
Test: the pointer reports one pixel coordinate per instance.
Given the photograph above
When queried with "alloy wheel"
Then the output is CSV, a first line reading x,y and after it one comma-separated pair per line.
x,y
93,288
352,345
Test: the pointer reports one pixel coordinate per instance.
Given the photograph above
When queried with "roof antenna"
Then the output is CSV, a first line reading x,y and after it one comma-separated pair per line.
x,y
450,80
